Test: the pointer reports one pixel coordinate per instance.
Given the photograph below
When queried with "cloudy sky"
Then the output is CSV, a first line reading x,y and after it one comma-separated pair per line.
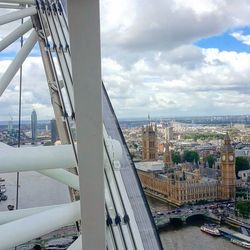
x,y
164,57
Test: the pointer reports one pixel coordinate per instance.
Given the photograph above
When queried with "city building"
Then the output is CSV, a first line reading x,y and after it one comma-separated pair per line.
x,y
167,158
170,133
10,125
184,184
54,132
227,167
244,175
149,142
243,152
33,126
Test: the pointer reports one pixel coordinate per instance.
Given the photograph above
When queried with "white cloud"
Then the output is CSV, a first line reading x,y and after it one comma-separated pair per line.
x,y
168,24
242,38
199,7
150,64
35,93
160,86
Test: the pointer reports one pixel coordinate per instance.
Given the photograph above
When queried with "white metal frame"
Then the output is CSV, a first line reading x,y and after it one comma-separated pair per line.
x,y
86,65
15,34
30,2
102,190
18,61
16,15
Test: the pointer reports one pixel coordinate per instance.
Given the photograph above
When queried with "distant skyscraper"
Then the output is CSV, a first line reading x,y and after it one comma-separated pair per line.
x,y
33,126
54,132
10,125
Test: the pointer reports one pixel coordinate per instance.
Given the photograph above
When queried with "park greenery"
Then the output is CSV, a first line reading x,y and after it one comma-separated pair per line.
x,y
243,208
241,192
203,136
191,156
188,156
241,163
210,159
176,157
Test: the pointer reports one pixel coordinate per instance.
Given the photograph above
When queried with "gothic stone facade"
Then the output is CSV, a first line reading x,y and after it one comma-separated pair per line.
x,y
185,190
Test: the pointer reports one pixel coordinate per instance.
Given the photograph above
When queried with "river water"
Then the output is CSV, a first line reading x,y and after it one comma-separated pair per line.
x,y
189,237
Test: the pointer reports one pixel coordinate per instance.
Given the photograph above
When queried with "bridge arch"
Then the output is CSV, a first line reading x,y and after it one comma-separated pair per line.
x,y
176,220
192,217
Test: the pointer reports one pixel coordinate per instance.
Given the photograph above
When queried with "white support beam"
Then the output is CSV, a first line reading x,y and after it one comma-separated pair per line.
x,y
15,34
34,226
8,216
62,176
84,27
11,6
18,61
36,158
16,15
18,1
3,145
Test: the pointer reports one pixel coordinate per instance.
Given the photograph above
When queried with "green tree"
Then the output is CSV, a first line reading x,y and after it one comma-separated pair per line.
x,y
210,160
243,208
48,143
190,156
241,163
176,157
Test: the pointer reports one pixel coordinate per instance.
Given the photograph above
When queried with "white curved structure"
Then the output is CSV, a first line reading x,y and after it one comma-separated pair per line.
x,y
113,210
33,226
36,158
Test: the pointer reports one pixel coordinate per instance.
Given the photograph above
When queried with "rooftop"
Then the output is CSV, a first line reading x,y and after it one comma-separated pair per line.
x,y
150,165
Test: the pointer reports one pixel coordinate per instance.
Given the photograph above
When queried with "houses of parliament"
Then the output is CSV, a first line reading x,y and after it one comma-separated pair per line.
x,y
183,184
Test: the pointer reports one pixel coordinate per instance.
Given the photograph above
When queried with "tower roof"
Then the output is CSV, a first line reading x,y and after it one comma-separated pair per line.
x,y
227,144
227,138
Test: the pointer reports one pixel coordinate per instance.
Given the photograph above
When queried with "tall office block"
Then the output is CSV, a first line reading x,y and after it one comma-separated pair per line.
x,y
54,132
33,126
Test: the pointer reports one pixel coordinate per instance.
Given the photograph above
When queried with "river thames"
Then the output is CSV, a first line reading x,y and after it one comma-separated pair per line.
x,y
189,237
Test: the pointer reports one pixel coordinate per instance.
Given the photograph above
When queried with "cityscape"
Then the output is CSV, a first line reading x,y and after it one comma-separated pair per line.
x,y
187,169
124,125
32,132
200,168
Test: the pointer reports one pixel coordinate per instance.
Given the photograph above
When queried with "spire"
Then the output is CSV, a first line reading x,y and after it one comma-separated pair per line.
x,y
227,147
227,140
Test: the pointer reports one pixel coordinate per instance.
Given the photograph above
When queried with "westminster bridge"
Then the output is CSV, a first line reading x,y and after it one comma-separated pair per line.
x,y
164,218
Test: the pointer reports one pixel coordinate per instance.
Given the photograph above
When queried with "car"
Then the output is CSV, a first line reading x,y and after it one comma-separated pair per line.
x,y
213,206
10,207
4,197
160,213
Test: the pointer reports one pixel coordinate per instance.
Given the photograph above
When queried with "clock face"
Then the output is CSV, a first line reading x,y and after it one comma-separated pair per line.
x,y
231,158
223,157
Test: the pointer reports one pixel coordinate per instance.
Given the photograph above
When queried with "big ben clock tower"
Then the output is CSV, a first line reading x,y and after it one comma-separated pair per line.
x,y
227,185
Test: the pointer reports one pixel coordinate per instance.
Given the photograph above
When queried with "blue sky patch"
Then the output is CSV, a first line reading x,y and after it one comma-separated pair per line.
x,y
10,54
225,42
